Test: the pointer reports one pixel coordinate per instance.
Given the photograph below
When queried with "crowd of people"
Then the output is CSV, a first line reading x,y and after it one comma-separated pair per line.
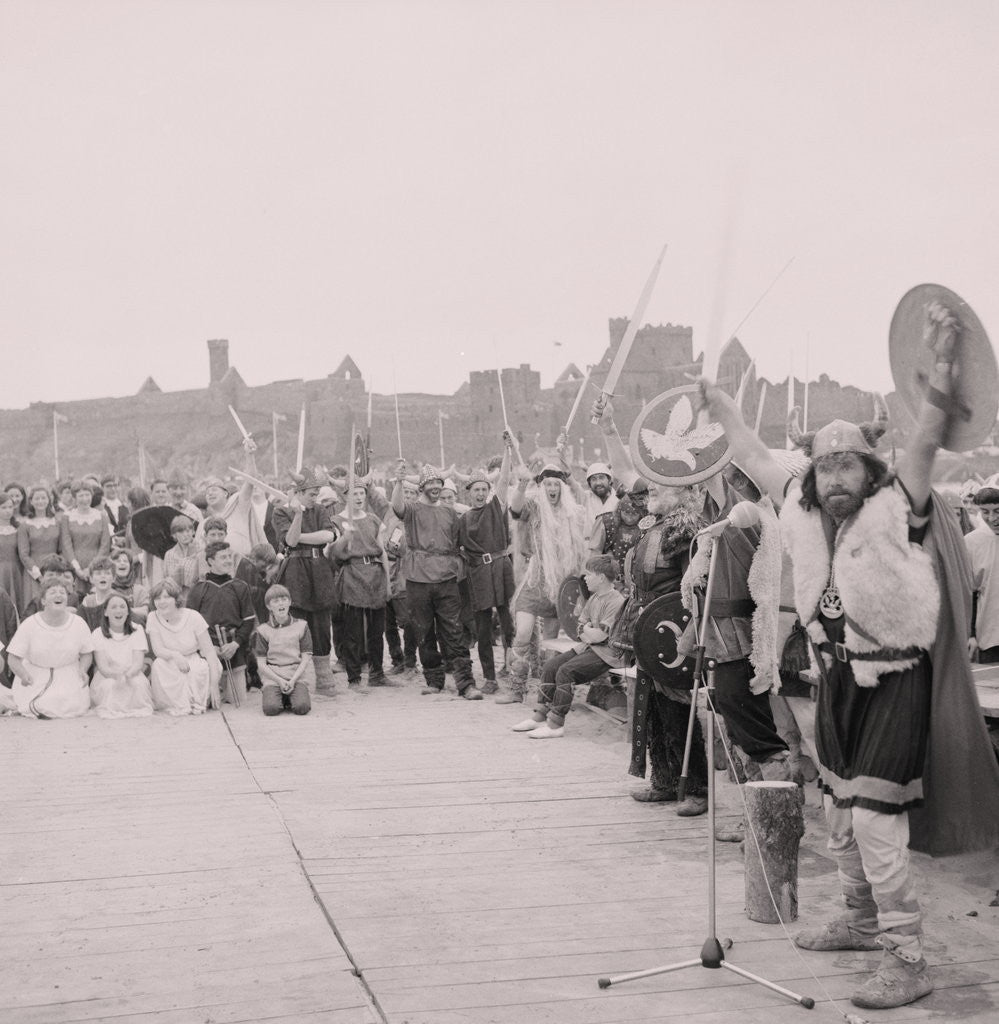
x,y
281,589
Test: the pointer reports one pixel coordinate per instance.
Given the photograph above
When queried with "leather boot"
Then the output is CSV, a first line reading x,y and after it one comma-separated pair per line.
x,y
901,977
324,676
856,929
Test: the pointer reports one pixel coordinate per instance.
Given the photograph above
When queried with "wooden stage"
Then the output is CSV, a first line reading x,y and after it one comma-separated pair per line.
x,y
405,859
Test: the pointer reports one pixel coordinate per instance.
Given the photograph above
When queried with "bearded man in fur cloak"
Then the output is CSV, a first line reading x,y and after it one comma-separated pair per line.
x,y
882,588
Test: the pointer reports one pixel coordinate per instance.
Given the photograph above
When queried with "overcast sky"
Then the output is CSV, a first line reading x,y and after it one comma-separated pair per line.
x,y
449,185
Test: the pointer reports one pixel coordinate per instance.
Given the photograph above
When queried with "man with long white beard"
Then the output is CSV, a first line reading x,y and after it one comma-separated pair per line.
x,y
880,579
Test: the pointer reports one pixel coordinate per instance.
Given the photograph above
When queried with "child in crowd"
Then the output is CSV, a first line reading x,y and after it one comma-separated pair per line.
x,y
226,604
91,608
591,657
181,562
283,646
54,567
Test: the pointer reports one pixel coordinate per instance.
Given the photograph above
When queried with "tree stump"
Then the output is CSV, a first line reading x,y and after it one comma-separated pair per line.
x,y
774,813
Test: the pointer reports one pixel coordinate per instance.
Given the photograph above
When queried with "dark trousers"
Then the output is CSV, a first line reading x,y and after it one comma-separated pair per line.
x,y
667,725
273,701
363,635
559,676
320,629
484,637
396,618
988,655
436,608
748,717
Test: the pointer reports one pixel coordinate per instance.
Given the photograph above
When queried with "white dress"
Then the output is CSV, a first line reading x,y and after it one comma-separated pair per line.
x,y
111,697
176,692
51,657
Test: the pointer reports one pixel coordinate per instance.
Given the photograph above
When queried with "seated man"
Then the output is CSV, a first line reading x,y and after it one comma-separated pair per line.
x,y
226,605
591,657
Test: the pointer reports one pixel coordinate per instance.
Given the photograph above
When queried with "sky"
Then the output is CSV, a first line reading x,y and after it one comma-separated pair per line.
x,y
436,187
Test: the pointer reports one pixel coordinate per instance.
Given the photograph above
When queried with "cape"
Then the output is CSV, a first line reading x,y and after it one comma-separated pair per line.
x,y
960,812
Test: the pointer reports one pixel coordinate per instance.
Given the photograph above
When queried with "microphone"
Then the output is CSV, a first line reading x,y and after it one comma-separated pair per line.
x,y
742,516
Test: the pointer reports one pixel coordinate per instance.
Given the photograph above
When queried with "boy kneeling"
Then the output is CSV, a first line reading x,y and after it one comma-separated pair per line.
x,y
591,657
283,647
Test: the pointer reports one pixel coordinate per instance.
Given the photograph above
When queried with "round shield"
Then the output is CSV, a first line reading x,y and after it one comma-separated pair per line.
x,y
151,528
976,385
667,444
657,634
570,605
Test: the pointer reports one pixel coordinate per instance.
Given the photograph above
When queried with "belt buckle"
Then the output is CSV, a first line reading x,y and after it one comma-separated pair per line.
x,y
841,652
487,559
366,559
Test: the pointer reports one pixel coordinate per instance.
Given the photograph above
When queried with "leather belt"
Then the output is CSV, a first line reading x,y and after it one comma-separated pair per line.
x,y
840,652
305,552
486,558
365,559
739,609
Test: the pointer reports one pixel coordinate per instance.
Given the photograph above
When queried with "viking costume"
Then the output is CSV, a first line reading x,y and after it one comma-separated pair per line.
x,y
484,537
308,575
884,596
732,633
226,605
432,565
361,595
557,550
654,567
616,533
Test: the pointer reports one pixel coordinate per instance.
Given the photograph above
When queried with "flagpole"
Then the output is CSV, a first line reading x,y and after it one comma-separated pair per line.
x,y
440,430
299,458
790,393
55,441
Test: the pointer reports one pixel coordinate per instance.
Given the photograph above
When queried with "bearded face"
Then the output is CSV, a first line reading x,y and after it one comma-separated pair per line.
x,y
842,482
600,484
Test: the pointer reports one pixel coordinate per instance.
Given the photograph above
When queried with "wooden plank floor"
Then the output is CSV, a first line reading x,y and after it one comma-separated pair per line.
x,y
403,859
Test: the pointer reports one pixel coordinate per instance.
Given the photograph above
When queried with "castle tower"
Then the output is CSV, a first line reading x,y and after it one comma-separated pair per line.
x,y
218,359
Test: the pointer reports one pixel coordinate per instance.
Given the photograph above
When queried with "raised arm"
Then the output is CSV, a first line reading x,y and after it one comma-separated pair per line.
x,y
398,494
617,451
747,448
915,467
523,479
503,483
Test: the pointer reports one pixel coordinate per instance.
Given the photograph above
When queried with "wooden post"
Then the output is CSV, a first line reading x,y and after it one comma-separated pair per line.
x,y
774,813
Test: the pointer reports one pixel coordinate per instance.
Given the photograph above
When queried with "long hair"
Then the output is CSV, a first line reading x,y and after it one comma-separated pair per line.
x,y
49,510
559,550
878,476
21,505
128,627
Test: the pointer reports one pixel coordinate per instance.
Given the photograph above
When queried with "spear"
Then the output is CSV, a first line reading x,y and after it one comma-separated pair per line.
x,y
759,408
506,422
276,417
398,426
351,473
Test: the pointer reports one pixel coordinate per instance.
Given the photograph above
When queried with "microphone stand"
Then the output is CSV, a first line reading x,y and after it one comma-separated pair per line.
x,y
712,954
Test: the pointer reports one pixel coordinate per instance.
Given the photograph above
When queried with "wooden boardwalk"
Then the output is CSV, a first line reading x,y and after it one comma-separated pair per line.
x,y
403,859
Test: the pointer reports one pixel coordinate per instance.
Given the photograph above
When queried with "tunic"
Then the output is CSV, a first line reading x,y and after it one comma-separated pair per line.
x,y
360,581
176,692
51,657
182,566
619,539
431,552
983,550
282,648
226,604
305,572
110,696
482,532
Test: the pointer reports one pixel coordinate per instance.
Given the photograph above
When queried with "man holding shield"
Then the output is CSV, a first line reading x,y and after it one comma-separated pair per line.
x,y
880,580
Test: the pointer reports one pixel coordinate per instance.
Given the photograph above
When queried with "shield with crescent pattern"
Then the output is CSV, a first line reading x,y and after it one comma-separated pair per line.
x,y
657,634
670,446
571,598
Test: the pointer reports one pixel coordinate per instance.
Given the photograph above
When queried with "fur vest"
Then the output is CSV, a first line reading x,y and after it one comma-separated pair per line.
x,y
888,587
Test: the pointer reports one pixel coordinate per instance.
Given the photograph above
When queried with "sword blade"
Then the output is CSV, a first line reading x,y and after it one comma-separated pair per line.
x,y
579,399
239,423
621,356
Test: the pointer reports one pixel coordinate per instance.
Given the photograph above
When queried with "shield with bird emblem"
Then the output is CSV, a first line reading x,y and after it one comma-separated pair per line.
x,y
672,446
